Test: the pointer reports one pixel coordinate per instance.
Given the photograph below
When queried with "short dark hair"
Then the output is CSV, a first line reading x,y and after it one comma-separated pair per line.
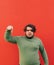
x,y
30,25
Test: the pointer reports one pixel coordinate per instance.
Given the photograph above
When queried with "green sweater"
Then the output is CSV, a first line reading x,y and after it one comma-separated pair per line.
x,y
28,49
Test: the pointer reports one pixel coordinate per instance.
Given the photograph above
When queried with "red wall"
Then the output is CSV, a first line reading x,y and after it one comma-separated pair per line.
x,y
19,13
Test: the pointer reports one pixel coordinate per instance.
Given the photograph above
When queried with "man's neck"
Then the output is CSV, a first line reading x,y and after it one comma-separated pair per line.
x,y
29,37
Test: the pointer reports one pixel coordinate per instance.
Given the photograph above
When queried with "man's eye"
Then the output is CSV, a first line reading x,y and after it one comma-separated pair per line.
x,y
29,30
32,30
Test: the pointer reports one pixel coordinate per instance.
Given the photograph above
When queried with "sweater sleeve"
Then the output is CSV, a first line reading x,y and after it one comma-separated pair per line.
x,y
43,53
10,38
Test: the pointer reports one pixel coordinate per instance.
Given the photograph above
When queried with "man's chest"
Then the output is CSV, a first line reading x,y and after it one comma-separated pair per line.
x,y
29,45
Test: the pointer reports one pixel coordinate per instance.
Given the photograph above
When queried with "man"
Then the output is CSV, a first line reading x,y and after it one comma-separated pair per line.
x,y
29,45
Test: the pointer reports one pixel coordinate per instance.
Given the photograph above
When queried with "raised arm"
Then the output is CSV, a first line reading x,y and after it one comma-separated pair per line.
x,y
8,36
43,53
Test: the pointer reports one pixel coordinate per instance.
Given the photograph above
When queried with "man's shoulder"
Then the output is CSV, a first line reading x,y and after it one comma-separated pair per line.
x,y
37,38
20,36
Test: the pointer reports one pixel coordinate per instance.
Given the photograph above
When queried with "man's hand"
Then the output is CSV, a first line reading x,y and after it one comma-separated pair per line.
x,y
10,27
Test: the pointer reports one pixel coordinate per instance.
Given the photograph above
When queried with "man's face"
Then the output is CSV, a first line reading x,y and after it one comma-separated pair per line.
x,y
29,33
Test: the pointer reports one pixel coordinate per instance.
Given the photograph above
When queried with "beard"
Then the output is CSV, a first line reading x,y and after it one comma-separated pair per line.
x,y
29,37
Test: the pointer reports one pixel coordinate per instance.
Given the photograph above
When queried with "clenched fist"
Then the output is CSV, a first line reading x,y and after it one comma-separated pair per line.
x,y
10,27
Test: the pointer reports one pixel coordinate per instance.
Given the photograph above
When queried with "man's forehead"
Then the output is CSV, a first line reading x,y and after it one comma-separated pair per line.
x,y
29,28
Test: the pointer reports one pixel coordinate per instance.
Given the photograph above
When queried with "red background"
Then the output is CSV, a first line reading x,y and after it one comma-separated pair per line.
x,y
19,13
